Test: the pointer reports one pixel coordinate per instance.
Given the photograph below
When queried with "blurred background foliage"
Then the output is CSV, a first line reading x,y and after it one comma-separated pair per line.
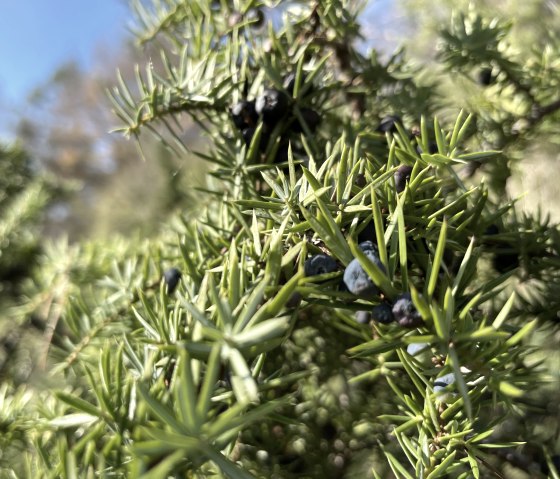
x,y
66,122
66,128
532,46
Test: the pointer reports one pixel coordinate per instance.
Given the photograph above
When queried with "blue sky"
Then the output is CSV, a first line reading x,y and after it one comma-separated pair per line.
x,y
37,36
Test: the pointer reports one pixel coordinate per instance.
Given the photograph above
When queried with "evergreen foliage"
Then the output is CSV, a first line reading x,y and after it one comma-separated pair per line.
x,y
23,196
211,350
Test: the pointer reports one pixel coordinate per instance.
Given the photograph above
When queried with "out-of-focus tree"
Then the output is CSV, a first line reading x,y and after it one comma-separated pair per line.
x,y
511,84
24,195
532,22
67,126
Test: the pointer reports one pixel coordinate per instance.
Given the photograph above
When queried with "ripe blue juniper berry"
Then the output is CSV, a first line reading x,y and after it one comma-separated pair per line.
x,y
360,180
171,278
402,176
272,105
257,18
367,233
382,313
416,348
388,124
244,114
441,383
362,317
405,312
248,134
368,246
319,264
432,148
355,277
492,230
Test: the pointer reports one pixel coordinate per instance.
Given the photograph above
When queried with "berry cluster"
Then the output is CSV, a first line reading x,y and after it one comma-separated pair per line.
x,y
402,311
405,312
358,282
276,110
356,278
388,124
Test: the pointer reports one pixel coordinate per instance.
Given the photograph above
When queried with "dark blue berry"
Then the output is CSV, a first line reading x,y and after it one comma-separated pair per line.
x,y
319,264
485,77
405,312
294,300
368,234
492,230
432,148
402,176
488,236
356,278
368,246
272,105
416,348
505,261
441,383
382,313
171,278
388,124
248,134
362,317
243,114
360,180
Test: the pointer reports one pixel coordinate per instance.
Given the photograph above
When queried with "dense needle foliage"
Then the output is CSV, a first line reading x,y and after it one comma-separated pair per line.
x,y
354,294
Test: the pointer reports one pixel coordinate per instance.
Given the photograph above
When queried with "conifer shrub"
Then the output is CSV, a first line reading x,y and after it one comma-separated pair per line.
x,y
255,365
